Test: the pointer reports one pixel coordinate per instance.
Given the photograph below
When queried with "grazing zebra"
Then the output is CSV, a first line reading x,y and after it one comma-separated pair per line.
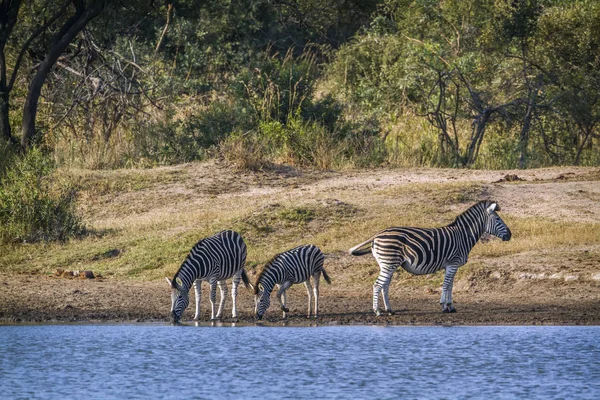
x,y
293,266
213,259
425,251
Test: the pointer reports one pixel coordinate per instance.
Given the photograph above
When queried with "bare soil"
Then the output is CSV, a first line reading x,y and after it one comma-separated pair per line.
x,y
555,287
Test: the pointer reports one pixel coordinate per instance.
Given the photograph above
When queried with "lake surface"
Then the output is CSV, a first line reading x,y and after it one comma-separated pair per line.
x,y
251,362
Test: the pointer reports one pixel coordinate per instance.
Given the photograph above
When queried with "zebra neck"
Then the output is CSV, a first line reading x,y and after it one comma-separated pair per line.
x,y
268,280
470,232
196,266
267,287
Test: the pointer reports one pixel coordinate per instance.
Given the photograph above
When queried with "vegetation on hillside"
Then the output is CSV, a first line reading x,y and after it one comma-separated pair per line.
x,y
326,84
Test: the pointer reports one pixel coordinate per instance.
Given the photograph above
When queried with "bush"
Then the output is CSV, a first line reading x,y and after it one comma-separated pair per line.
x,y
34,205
244,151
192,138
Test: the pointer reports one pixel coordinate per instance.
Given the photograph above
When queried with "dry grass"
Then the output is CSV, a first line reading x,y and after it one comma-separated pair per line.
x,y
145,221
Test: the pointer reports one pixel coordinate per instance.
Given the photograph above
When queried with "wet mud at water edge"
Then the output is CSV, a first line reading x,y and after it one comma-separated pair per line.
x,y
46,299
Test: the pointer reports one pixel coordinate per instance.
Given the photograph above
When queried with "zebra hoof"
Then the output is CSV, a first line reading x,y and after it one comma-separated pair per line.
x,y
449,310
378,313
390,312
285,309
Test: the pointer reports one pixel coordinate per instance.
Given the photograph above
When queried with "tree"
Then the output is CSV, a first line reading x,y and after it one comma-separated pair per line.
x,y
83,14
10,14
9,10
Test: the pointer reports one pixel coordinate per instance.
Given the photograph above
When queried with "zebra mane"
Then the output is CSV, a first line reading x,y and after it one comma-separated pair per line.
x,y
480,205
181,267
264,269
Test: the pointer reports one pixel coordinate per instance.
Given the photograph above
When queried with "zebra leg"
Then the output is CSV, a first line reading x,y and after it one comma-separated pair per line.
x,y
197,292
317,278
309,293
446,299
235,281
213,298
282,297
223,290
380,286
386,299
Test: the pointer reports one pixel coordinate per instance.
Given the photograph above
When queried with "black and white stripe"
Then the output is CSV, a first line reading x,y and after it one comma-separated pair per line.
x,y
293,266
213,259
425,251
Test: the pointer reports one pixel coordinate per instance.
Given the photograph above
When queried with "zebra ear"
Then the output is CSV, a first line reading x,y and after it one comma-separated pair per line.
x,y
492,208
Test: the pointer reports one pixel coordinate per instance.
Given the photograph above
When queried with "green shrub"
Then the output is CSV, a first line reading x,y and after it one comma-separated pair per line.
x,y
6,157
176,140
34,204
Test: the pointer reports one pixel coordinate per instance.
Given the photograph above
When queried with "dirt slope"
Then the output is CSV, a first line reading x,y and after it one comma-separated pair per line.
x,y
528,286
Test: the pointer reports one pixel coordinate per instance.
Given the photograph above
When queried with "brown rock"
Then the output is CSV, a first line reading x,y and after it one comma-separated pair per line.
x,y
86,275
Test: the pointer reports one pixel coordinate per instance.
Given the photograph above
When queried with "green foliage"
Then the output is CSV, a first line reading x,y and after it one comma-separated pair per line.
x,y
190,138
34,204
301,215
324,84
7,154
493,88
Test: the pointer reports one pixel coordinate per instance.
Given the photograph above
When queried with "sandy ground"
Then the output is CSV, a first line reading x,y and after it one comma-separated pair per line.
x,y
564,289
50,299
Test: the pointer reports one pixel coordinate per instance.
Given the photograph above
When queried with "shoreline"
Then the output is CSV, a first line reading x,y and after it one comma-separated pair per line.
x,y
114,301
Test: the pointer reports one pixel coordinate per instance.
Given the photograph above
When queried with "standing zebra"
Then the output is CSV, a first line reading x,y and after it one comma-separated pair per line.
x,y
213,259
425,251
285,269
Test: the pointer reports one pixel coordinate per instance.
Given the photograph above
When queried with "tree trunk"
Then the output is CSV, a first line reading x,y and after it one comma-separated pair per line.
x,y
480,124
587,132
9,10
524,137
63,38
4,103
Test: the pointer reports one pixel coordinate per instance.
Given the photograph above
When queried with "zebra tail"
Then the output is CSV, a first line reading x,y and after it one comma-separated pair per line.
x,y
357,251
246,280
327,278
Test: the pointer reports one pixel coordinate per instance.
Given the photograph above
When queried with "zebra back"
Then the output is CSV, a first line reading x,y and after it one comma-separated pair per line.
x,y
304,259
220,255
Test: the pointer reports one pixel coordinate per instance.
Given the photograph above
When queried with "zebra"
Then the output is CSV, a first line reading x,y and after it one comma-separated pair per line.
x,y
285,269
425,251
213,259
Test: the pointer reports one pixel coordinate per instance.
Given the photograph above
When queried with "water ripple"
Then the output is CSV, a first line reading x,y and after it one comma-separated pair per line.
x,y
156,361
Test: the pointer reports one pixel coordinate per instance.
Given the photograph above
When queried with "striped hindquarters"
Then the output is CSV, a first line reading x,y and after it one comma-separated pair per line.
x,y
418,250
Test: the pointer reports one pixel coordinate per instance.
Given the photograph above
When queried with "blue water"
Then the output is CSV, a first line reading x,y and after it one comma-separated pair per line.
x,y
161,361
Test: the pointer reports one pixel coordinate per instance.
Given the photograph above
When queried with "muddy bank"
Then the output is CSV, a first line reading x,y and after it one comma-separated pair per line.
x,y
537,278
44,299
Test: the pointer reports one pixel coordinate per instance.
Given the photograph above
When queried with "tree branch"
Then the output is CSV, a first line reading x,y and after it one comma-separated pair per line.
x,y
31,38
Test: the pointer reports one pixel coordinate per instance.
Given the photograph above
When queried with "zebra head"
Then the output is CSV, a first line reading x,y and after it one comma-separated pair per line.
x,y
494,224
262,300
179,299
